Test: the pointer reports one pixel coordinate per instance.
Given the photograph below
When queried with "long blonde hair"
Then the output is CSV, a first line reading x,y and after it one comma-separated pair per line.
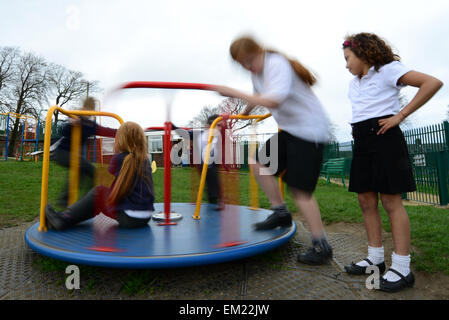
x,y
130,138
244,46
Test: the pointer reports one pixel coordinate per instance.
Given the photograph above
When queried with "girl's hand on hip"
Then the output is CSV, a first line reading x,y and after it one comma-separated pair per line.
x,y
388,123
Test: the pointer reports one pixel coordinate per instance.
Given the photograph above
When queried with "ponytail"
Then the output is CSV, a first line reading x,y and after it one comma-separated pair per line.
x,y
130,138
123,182
299,69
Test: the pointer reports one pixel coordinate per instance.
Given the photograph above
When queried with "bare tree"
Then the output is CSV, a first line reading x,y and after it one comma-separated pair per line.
x,y
234,106
231,106
200,120
69,86
28,82
29,90
8,56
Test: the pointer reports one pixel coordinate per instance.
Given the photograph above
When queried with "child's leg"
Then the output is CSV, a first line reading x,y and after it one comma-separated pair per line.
x,y
281,216
400,228
268,184
400,224
310,210
368,202
87,173
321,251
212,184
85,208
62,158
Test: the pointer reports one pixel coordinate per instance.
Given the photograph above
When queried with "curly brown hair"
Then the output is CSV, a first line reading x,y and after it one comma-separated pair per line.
x,y
370,48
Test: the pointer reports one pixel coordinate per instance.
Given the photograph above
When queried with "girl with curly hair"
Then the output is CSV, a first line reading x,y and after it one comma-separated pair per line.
x,y
381,164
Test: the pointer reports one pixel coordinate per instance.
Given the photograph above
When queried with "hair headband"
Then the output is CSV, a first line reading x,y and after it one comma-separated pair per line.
x,y
349,43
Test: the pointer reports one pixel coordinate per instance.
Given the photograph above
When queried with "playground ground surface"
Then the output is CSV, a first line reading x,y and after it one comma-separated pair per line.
x,y
276,275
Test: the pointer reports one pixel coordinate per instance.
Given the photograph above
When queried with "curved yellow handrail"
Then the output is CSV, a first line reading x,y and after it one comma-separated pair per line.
x,y
207,156
74,151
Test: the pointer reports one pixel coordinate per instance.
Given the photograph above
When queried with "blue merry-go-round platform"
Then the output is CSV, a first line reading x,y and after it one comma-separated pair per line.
x,y
219,236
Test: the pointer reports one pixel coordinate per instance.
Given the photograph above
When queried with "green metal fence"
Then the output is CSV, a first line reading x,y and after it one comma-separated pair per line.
x,y
428,148
340,150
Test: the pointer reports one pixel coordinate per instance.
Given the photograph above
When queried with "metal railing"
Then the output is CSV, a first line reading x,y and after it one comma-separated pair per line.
x,y
428,148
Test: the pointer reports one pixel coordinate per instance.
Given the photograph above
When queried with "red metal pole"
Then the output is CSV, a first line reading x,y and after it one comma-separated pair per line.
x,y
167,170
167,173
166,85
163,128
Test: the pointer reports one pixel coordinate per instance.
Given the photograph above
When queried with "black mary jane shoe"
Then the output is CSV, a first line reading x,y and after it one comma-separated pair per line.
x,y
395,286
358,270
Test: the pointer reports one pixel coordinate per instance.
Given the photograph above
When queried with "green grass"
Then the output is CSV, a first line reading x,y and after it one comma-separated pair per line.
x,y
20,184
140,282
20,189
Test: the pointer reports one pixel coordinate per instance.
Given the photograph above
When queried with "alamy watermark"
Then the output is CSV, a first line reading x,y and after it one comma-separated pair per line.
x,y
73,21
73,279
222,150
373,281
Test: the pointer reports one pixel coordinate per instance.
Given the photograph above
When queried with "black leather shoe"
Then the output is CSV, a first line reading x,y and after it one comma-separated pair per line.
x,y
316,256
358,270
54,219
395,286
275,220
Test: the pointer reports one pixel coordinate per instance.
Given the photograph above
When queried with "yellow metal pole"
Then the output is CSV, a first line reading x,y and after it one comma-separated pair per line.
x,y
46,157
45,168
74,168
281,182
281,185
207,156
254,190
204,171
100,139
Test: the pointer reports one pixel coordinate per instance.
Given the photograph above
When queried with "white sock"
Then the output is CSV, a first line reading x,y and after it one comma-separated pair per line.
x,y
399,263
375,255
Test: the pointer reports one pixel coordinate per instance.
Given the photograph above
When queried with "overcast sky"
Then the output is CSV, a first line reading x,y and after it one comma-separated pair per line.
x,y
187,41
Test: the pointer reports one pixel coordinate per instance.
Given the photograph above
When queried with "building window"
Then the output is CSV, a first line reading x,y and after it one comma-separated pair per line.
x,y
155,144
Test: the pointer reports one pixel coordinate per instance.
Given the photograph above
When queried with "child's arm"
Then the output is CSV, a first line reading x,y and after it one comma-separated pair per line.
x,y
427,85
253,100
105,132
180,131
248,109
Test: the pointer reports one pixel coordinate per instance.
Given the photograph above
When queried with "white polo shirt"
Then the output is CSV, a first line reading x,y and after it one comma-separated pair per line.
x,y
299,113
376,94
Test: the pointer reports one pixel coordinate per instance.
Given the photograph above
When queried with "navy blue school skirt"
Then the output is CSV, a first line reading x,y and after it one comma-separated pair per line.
x,y
300,160
380,163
